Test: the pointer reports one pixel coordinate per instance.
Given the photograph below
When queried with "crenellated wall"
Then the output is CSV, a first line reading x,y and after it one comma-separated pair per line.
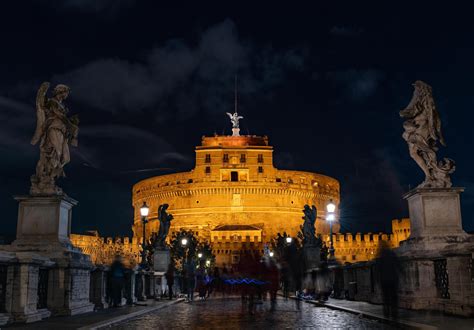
x,y
350,248
103,250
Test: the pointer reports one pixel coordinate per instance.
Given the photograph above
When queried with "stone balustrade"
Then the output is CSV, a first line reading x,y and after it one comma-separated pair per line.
x,y
29,288
443,283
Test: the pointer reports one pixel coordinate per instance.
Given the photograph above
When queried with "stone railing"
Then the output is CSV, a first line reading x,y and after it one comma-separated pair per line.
x,y
443,283
28,288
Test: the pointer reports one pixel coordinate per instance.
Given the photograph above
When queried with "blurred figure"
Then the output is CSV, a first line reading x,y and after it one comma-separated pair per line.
x,y
215,281
389,268
169,275
285,280
295,262
274,282
201,280
190,279
323,282
117,272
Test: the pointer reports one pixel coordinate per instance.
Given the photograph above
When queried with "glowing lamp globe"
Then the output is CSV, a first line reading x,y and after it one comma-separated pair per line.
x,y
184,241
271,254
331,207
144,210
288,240
199,255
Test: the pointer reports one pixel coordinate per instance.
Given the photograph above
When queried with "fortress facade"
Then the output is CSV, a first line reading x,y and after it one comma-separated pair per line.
x,y
234,197
238,201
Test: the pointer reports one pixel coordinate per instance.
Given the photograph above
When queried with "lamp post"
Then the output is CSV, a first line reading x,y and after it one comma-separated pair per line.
x,y
184,243
331,216
288,240
144,214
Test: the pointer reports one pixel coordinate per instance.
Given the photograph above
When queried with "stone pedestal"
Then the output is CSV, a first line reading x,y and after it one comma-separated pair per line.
x,y
44,227
44,222
161,260
235,131
435,212
312,257
435,216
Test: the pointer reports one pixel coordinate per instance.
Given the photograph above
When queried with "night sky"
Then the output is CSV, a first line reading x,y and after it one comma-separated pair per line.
x,y
324,83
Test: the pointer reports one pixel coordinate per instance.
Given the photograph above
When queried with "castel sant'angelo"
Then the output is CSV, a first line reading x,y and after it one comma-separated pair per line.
x,y
237,200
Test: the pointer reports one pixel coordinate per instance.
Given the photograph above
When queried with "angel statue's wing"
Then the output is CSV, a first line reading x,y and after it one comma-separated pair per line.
x,y
230,115
240,117
40,112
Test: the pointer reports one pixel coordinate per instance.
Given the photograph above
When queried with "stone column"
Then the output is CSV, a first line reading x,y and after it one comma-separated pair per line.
x,y
140,286
98,288
130,287
70,285
23,293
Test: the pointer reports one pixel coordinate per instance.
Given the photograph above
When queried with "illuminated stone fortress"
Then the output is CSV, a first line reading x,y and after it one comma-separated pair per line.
x,y
234,197
238,201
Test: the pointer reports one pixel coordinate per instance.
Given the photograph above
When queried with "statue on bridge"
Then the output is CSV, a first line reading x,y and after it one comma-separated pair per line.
x,y
307,228
422,133
55,131
165,222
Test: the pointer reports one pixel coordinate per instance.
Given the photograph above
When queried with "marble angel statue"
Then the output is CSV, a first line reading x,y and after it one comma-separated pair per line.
x,y
55,131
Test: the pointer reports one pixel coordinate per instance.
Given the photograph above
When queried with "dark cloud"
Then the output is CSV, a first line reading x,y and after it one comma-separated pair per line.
x,y
357,85
345,31
178,78
105,7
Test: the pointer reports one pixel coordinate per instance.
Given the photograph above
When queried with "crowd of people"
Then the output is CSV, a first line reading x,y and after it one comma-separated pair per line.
x,y
258,278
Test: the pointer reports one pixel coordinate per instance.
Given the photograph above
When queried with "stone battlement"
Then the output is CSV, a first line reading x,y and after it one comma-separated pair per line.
x,y
104,249
350,248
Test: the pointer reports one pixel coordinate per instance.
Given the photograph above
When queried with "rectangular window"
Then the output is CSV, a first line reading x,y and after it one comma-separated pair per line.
x,y
243,159
260,169
208,170
278,180
234,176
208,158
225,159
260,158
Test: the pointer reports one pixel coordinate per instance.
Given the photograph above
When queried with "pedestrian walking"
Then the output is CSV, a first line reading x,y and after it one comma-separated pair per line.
x,y
117,271
169,275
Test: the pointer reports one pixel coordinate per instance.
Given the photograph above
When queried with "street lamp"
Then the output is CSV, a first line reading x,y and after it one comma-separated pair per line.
x,y
184,242
331,216
199,255
271,254
144,215
288,240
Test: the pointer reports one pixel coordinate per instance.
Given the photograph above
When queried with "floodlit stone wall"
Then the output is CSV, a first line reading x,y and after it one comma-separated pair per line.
x,y
103,250
350,248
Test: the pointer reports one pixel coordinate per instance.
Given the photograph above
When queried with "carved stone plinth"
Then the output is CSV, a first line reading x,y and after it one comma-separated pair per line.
x,y
161,260
44,222
312,257
436,225
435,212
235,131
44,227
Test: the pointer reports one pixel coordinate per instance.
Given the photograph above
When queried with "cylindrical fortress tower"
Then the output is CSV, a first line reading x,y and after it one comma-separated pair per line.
x,y
234,197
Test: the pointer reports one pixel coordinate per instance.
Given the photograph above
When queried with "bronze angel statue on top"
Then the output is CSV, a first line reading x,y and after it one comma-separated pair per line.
x,y
422,133
55,131
234,119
